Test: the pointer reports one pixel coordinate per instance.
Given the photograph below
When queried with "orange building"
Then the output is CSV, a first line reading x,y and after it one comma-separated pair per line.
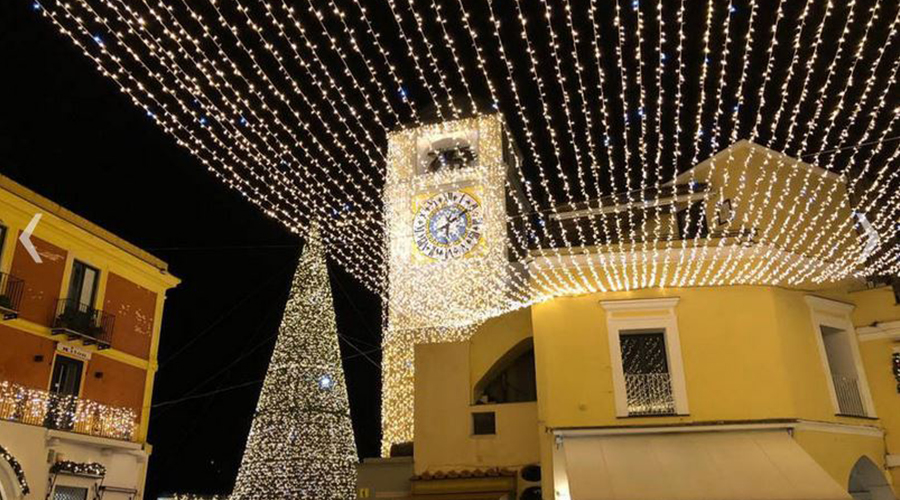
x,y
81,315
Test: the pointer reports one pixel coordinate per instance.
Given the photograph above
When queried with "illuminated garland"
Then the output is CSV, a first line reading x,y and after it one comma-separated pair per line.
x,y
17,469
93,469
37,407
301,441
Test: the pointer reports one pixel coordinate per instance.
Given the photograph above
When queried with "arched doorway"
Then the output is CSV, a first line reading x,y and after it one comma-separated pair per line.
x,y
867,482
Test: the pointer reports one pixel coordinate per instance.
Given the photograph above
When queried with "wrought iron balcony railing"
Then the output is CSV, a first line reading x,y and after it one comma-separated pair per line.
x,y
649,394
68,413
11,290
83,322
848,396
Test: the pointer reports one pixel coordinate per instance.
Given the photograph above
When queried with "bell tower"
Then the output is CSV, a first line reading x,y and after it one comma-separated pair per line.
x,y
448,195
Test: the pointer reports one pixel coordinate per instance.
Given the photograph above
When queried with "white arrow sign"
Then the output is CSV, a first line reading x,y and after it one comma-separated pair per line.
x,y
25,238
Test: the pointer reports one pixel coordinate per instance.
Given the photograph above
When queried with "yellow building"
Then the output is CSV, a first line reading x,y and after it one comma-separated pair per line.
x,y
757,379
81,318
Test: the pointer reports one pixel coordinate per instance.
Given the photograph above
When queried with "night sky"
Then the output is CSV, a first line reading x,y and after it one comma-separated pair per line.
x,y
68,134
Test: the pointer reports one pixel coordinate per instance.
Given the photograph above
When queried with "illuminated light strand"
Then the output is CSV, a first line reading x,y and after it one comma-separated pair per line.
x,y
748,221
429,50
398,20
264,76
341,15
592,155
567,283
250,156
262,99
844,136
570,127
541,275
618,283
392,70
885,216
460,67
719,277
691,275
762,267
524,217
642,143
161,112
212,110
681,271
298,26
676,156
336,203
660,98
357,187
623,79
789,234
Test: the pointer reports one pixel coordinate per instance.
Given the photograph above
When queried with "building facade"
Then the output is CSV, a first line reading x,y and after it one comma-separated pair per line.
x,y
751,380
79,336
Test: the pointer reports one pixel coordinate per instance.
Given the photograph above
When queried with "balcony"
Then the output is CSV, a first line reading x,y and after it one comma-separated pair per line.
x,y
849,399
83,322
67,413
649,394
11,290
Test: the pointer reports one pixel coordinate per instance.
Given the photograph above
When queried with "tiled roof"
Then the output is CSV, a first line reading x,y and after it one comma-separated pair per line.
x,y
465,473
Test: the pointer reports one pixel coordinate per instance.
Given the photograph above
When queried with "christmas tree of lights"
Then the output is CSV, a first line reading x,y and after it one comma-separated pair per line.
x,y
301,441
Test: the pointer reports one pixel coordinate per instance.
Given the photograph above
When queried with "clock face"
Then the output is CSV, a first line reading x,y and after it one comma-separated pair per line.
x,y
448,225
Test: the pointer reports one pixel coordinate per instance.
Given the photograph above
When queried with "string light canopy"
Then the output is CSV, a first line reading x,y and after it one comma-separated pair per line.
x,y
665,143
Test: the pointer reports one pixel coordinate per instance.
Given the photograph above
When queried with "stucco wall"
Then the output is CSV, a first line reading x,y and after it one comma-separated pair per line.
x,y
43,282
444,439
17,358
134,308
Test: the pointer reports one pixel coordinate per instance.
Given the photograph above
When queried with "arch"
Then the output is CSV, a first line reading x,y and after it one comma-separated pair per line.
x,y
511,379
13,485
867,482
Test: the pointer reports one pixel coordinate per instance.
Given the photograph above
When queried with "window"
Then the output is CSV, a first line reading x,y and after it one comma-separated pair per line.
x,y
83,285
65,381
66,376
648,376
69,493
839,353
648,385
484,423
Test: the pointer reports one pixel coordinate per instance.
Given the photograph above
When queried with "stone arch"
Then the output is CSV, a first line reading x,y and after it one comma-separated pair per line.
x,y
867,482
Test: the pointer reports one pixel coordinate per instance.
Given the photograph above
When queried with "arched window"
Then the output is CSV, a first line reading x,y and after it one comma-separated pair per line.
x,y
511,379
867,482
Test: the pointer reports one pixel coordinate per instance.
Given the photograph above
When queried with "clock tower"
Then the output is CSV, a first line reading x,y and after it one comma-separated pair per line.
x,y
447,195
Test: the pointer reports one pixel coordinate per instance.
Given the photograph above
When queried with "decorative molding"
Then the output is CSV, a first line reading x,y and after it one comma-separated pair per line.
x,y
877,331
829,305
800,425
667,321
639,304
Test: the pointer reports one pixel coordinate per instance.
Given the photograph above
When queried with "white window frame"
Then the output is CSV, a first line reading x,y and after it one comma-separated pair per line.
x,y
834,314
652,314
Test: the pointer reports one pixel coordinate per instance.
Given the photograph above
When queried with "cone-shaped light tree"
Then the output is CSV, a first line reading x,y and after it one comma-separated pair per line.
x,y
301,441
